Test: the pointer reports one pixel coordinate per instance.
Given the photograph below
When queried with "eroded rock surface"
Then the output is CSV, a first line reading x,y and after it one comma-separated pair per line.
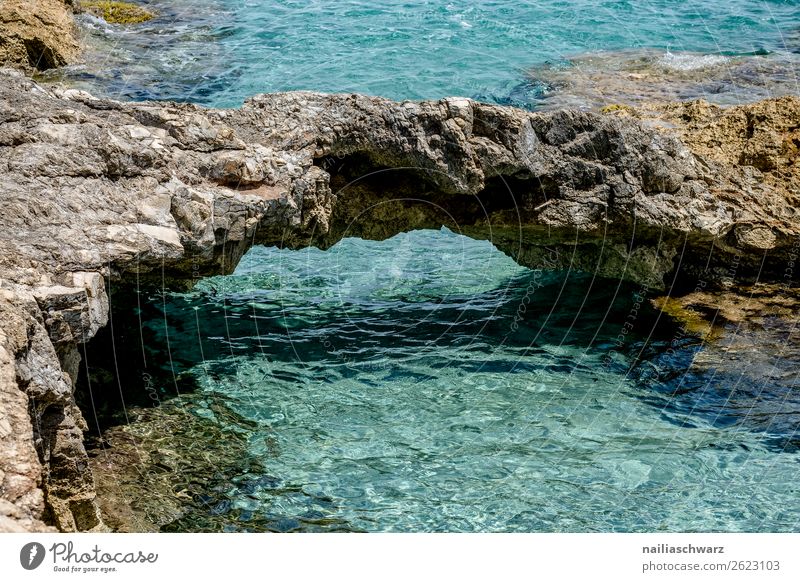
x,y
44,471
763,135
137,187
37,35
95,191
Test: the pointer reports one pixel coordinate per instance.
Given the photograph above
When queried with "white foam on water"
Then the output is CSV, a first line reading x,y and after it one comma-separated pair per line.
x,y
690,62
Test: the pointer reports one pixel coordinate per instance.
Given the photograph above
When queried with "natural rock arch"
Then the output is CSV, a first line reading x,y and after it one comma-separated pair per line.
x,y
152,193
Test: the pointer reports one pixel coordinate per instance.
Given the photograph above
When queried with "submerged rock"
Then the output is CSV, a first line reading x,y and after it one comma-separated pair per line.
x,y
97,191
116,12
150,471
744,373
636,77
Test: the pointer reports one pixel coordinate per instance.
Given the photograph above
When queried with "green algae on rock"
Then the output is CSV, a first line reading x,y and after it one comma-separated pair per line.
x,y
616,107
116,12
151,473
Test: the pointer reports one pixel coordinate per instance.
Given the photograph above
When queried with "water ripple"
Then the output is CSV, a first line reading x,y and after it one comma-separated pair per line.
x,y
379,410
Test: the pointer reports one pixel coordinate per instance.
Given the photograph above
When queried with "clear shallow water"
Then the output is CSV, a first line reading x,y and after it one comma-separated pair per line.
x,y
219,52
399,386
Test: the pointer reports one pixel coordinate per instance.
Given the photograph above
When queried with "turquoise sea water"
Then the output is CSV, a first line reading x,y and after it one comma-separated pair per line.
x,y
427,383
219,52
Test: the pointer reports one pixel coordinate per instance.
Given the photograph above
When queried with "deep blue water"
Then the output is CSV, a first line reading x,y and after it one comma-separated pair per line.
x,y
218,52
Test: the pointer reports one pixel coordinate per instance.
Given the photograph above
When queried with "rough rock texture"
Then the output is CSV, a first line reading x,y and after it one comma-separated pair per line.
x,y
764,135
37,34
43,463
94,191
179,191
20,469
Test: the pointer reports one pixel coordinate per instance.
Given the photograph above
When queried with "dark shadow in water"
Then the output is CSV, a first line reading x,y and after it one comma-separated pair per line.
x,y
150,354
721,383
746,380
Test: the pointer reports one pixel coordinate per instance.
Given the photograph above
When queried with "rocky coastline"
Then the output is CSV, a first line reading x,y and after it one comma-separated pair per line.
x,y
39,35
98,192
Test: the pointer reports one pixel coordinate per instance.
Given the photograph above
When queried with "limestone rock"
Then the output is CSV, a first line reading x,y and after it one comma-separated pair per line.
x,y
763,135
41,427
37,34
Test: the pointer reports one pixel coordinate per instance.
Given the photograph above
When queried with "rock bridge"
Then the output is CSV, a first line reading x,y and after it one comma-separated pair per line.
x,y
94,190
